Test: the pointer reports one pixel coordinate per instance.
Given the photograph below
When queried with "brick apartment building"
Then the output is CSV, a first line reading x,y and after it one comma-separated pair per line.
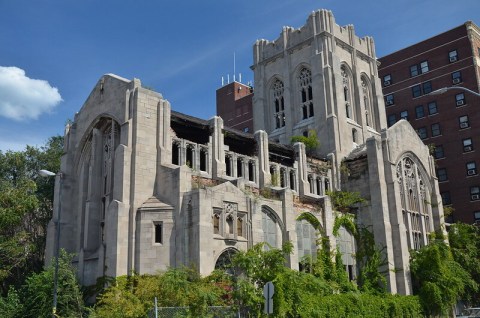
x,y
234,105
448,122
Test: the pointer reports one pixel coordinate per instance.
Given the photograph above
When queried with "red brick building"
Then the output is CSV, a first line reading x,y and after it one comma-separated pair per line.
x,y
449,122
234,105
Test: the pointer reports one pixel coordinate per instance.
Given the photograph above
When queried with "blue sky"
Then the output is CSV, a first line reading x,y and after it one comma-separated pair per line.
x,y
52,52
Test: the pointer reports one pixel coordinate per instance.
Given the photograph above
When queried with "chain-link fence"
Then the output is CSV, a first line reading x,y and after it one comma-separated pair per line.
x,y
178,312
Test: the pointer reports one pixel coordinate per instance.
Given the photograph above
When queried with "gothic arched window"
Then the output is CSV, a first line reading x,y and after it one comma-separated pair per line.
x,y
306,93
414,196
269,227
346,246
347,92
367,103
279,104
306,240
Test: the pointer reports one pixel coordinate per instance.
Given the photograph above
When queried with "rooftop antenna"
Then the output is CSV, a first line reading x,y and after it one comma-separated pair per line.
x,y
222,81
228,78
240,77
234,66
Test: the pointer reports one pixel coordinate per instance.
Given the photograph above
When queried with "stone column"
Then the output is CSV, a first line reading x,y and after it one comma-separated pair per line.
x,y
218,150
264,177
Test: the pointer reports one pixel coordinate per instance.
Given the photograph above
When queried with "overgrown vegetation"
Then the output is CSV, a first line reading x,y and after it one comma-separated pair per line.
x,y
438,279
311,141
345,201
442,273
26,202
34,298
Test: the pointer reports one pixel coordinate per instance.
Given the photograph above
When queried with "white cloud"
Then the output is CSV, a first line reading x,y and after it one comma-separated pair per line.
x,y
24,98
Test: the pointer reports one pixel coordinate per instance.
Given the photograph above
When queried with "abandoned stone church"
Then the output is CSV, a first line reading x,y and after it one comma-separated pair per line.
x,y
145,188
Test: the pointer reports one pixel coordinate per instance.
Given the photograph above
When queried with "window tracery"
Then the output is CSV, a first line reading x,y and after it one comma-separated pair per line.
x,y
347,92
367,103
279,103
305,83
414,196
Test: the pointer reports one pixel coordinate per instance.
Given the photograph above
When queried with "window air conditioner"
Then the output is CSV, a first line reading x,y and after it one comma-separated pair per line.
x,y
475,196
467,148
386,83
471,172
453,59
460,102
456,80
464,125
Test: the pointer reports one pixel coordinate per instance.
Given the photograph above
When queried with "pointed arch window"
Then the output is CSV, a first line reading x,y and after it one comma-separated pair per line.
x,y
306,92
306,240
347,92
367,103
347,247
279,104
415,198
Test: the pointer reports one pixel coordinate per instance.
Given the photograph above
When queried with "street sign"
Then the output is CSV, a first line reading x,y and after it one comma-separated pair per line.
x,y
268,291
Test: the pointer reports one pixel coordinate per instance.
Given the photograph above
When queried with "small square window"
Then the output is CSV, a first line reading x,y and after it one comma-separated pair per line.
x,y
419,112
404,115
452,56
456,77
158,232
467,145
432,108
416,91
460,99
424,67
442,174
389,99
471,168
427,87
422,133
413,70
476,216
246,129
436,130
387,80
392,119
475,193
439,153
463,121
446,199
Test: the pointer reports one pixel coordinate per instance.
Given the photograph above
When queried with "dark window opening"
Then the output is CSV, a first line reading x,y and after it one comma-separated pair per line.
x,y
203,160
228,165
189,157
239,168
175,154
158,233
251,171
292,180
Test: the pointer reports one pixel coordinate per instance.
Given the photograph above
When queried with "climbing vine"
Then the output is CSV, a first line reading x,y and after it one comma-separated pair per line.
x,y
346,220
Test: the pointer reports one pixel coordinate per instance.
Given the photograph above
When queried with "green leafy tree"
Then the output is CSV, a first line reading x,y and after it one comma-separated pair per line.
x,y
465,246
37,292
437,278
26,202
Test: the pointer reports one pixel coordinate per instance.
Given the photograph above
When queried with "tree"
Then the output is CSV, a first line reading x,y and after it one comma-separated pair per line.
x,y
437,278
465,246
26,202
37,292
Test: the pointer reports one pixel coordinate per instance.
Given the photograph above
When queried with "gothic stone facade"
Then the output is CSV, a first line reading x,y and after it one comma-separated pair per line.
x,y
145,188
